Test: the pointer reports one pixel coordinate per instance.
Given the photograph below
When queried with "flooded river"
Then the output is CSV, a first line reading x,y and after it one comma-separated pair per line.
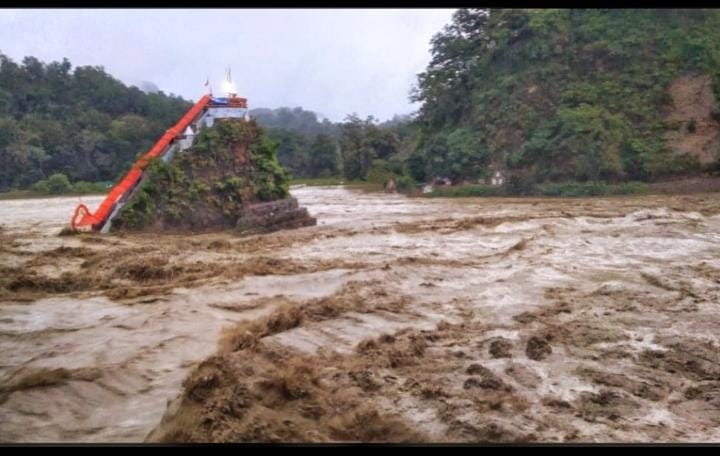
x,y
596,319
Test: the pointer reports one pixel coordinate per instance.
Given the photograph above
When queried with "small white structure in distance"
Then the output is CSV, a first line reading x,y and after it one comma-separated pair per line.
x,y
497,179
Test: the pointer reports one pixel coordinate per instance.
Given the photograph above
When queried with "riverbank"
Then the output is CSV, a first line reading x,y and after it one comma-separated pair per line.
x,y
579,189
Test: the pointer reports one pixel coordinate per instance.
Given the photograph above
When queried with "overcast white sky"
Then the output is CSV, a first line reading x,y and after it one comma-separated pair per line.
x,y
333,62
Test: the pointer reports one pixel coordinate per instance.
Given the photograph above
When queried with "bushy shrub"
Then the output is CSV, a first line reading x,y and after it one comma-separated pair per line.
x,y
379,172
520,183
58,184
405,184
41,187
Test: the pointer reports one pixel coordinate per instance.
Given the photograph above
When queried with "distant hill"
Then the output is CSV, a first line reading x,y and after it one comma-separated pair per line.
x,y
149,87
296,119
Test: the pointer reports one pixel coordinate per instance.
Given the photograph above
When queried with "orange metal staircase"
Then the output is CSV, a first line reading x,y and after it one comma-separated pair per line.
x,y
83,219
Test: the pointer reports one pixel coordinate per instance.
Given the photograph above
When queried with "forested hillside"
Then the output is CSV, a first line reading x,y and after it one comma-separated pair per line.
x,y
557,95
81,122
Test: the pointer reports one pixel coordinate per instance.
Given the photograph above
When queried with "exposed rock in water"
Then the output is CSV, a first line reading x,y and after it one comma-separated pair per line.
x,y
485,379
229,178
500,348
284,213
537,348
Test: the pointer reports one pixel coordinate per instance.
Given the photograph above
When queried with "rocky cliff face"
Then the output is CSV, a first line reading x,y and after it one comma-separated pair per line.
x,y
692,119
230,178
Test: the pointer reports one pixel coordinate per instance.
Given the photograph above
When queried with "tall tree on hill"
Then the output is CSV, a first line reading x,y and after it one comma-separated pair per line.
x,y
323,159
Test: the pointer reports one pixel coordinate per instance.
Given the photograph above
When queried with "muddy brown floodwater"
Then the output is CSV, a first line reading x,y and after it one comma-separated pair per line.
x,y
393,319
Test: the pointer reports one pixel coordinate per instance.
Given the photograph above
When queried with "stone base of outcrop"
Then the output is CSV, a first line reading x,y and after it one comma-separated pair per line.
x,y
274,215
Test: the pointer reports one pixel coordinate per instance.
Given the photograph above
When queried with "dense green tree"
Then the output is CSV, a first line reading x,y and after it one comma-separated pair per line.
x,y
292,150
467,156
357,155
58,184
384,141
362,141
323,158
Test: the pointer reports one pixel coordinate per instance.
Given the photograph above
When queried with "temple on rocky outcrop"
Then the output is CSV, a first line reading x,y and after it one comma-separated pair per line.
x,y
228,178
